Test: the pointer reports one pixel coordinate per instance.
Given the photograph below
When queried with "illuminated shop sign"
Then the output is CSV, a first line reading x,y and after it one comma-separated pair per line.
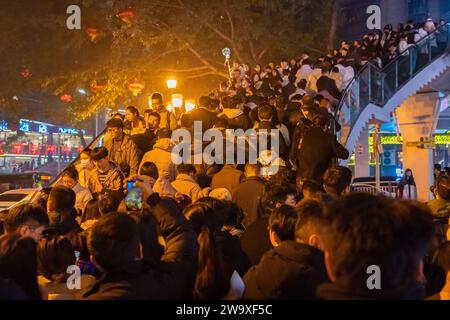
x,y
394,140
45,128
3,125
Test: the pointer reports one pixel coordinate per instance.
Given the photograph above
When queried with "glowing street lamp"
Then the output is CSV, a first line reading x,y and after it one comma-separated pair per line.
x,y
189,105
169,107
172,84
177,100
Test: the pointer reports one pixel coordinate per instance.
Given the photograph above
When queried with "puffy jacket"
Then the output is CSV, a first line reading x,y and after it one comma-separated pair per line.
x,y
161,155
236,119
228,178
113,181
247,196
127,157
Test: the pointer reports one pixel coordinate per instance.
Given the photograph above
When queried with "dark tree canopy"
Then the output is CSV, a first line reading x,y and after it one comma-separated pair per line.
x,y
181,38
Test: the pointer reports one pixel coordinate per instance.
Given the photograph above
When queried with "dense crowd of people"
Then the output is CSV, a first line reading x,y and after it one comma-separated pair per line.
x,y
232,230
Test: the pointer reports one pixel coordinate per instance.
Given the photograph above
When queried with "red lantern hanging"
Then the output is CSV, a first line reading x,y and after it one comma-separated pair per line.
x,y
126,16
66,98
135,87
26,73
92,33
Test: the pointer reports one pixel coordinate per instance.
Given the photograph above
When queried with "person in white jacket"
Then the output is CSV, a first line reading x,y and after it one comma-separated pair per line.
x,y
70,180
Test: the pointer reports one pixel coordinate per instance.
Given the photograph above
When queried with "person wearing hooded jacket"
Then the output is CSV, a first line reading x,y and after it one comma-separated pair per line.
x,y
233,113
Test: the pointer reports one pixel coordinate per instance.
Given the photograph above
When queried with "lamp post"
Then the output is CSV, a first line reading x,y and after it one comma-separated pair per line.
x,y
227,54
171,83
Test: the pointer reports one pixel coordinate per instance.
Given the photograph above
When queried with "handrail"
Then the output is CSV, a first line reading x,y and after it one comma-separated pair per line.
x,y
381,70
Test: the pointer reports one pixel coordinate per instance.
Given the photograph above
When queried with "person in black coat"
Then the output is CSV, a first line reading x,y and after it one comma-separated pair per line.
x,y
293,269
325,83
204,113
255,240
248,193
317,149
114,242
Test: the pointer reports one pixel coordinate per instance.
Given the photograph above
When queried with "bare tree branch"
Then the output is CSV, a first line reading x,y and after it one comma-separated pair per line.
x,y
187,70
230,19
220,74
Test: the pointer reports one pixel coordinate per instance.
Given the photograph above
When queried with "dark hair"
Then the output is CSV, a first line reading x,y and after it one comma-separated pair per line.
x,y
148,234
18,263
213,276
337,179
443,187
63,199
204,101
438,167
71,172
114,123
274,194
154,114
164,133
99,153
91,211
109,202
54,255
203,180
302,84
157,96
282,221
311,187
185,168
113,241
220,209
309,214
24,214
360,230
133,110
265,112
88,151
439,268
149,169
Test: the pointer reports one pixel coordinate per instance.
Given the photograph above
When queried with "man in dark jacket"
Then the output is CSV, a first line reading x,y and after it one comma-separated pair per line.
x,y
233,113
204,113
114,241
61,211
325,83
247,195
316,150
293,269
255,241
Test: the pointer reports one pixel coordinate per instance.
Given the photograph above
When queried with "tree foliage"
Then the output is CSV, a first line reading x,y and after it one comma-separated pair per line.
x,y
183,38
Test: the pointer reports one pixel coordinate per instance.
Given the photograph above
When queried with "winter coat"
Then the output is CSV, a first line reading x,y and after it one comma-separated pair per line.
x,y
168,120
232,251
289,271
236,119
161,155
60,291
206,117
113,182
171,277
247,196
440,208
325,83
228,178
317,150
127,157
255,240
186,185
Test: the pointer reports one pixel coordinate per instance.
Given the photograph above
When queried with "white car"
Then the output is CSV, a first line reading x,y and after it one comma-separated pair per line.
x,y
12,198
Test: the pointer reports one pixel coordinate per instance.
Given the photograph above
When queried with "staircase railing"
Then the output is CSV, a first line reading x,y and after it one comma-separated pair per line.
x,y
377,86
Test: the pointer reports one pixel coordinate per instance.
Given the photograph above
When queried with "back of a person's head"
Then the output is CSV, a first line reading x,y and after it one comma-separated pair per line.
x,y
362,230
308,100
99,153
113,241
219,207
70,172
337,179
253,169
25,214
282,221
54,255
265,113
18,263
302,84
203,180
91,211
114,123
309,213
438,167
275,193
62,199
164,133
204,101
443,188
149,169
185,168
309,188
109,202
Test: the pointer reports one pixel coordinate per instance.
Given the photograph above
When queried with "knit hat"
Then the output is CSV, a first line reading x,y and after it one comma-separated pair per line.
x,y
221,194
